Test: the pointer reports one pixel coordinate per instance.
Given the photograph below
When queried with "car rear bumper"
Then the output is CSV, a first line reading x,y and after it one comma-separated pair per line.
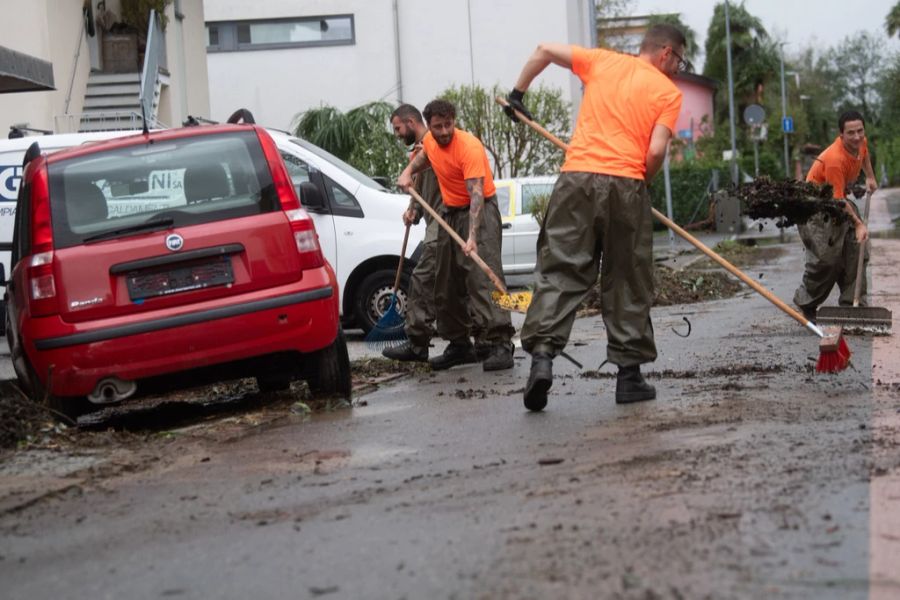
x,y
294,320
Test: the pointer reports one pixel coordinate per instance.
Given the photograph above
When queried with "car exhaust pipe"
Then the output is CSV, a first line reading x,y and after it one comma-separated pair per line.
x,y
111,390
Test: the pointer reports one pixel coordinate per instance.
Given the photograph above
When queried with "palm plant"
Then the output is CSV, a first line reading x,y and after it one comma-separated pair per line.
x,y
892,21
754,53
359,136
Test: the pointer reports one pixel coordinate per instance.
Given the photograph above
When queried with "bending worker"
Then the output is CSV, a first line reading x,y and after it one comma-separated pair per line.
x,y
832,249
469,205
408,126
600,206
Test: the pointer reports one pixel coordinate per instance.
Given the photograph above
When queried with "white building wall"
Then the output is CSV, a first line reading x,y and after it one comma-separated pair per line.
x,y
438,48
48,30
275,85
188,92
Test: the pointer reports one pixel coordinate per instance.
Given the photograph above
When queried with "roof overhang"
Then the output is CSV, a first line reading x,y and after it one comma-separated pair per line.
x,y
698,79
23,73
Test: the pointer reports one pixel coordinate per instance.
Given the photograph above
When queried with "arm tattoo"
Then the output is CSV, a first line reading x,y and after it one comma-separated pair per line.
x,y
475,186
419,163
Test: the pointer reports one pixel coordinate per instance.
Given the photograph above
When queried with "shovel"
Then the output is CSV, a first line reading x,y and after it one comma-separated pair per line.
x,y
517,302
856,318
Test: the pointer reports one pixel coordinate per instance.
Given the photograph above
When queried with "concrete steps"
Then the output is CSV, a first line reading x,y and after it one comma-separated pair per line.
x,y
112,101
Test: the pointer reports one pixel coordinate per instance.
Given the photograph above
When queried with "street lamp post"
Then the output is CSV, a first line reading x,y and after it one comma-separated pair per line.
x,y
734,171
787,166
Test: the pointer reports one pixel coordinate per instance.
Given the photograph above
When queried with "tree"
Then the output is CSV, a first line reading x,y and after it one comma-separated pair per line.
x,y
360,136
854,67
513,147
892,21
754,55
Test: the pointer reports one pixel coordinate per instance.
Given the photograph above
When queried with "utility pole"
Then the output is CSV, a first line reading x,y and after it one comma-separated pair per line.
x,y
734,172
787,166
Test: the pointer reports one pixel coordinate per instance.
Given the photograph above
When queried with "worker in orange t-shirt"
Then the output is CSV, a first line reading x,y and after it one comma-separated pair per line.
x,y
832,249
600,206
462,292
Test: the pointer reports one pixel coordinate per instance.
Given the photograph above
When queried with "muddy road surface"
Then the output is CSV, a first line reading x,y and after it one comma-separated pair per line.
x,y
750,476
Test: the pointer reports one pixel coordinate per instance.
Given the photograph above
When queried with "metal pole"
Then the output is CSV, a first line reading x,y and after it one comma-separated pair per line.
x,y
592,17
755,158
787,166
734,172
668,182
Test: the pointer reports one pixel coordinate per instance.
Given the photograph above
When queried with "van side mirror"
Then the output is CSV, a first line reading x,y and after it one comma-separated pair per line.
x,y
2,274
310,197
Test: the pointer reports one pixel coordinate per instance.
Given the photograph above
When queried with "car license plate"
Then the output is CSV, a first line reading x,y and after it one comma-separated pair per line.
x,y
173,281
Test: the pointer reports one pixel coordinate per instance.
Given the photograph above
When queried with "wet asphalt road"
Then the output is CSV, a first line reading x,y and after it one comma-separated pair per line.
x,y
750,476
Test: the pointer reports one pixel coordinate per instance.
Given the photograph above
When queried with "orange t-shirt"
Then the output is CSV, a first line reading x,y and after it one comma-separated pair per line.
x,y
624,98
463,158
838,167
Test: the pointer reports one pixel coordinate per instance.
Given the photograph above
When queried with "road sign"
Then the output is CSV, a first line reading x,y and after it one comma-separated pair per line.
x,y
754,114
787,124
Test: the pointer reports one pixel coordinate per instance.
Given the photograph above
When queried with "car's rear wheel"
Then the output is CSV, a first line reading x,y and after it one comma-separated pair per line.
x,y
328,370
374,297
70,407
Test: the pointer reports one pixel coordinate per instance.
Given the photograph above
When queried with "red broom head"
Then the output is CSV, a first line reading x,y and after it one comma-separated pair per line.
x,y
834,354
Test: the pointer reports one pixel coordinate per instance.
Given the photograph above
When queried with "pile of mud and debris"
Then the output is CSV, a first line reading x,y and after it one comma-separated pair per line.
x,y
20,418
788,202
25,423
672,286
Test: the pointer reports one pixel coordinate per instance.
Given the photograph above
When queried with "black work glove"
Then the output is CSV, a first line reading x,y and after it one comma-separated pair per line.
x,y
515,98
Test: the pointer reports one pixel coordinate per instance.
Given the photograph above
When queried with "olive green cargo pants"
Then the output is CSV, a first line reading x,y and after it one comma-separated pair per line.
x,y
420,306
592,216
462,292
420,317
832,257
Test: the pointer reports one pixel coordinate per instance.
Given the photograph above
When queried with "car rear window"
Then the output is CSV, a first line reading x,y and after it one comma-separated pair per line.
x,y
183,181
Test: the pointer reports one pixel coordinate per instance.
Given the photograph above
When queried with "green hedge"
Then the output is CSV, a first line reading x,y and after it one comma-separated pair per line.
x,y
689,188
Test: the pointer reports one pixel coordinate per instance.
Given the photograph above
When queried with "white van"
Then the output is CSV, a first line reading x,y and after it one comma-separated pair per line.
x,y
358,220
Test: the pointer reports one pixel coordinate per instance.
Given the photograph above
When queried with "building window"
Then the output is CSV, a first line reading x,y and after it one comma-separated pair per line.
x,y
212,37
231,36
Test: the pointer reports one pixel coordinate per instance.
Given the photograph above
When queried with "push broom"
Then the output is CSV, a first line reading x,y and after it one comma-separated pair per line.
x,y
390,329
834,354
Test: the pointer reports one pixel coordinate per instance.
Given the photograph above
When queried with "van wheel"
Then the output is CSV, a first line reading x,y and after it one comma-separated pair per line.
x,y
328,370
373,297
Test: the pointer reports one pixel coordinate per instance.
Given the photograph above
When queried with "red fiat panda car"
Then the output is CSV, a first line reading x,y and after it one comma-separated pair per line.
x,y
185,250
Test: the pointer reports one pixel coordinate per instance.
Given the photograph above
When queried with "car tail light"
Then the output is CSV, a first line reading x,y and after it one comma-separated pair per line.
x,y
41,283
306,239
284,188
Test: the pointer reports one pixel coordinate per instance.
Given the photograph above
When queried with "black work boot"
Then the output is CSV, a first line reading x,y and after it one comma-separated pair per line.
x,y
482,350
499,358
407,352
631,387
539,381
457,353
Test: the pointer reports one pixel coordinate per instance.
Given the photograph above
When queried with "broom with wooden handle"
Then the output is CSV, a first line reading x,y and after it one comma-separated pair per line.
x,y
834,354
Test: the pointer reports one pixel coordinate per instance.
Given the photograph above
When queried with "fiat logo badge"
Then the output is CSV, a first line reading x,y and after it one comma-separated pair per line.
x,y
174,242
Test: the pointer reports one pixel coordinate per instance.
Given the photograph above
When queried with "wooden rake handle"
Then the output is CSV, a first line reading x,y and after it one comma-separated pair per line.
x,y
402,258
857,287
474,256
687,236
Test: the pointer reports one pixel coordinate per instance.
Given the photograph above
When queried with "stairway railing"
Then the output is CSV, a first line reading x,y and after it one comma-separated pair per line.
x,y
154,55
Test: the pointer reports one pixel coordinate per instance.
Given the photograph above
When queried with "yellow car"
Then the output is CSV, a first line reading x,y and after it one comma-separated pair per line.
x,y
515,199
